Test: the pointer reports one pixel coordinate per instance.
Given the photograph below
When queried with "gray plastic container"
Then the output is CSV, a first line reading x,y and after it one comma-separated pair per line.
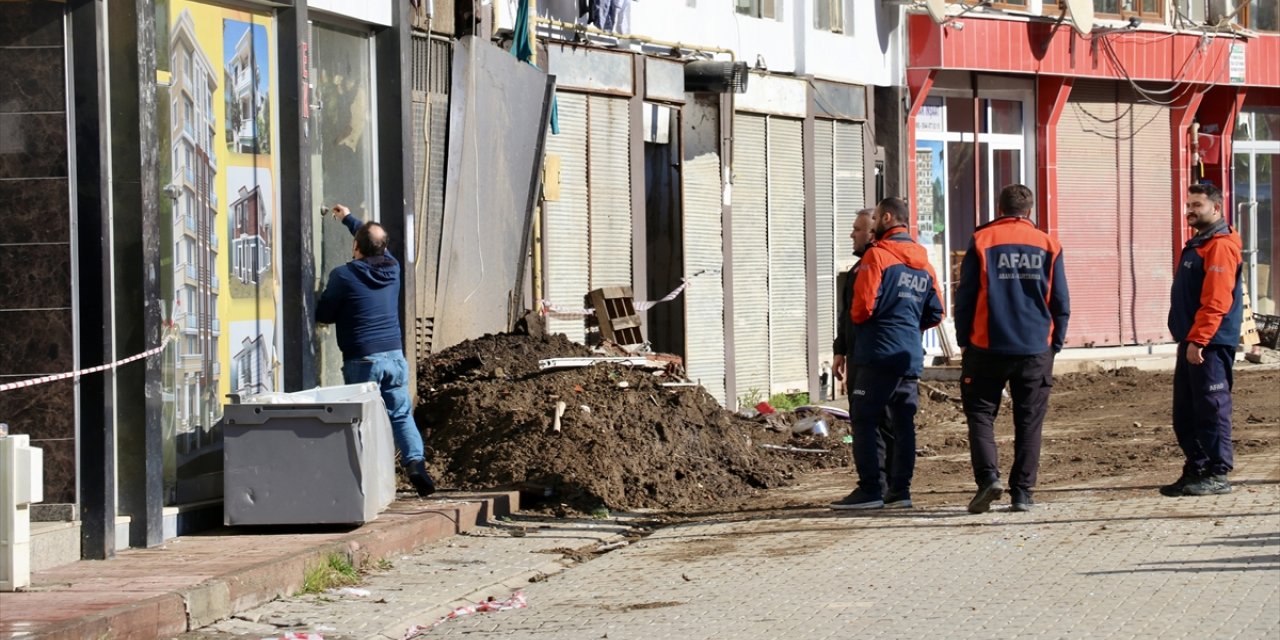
x,y
323,456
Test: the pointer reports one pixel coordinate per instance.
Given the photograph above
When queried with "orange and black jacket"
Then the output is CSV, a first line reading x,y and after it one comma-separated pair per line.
x,y
1012,298
1206,305
895,297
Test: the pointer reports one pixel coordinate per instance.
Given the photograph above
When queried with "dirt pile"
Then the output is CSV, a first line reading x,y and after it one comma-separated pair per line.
x,y
628,439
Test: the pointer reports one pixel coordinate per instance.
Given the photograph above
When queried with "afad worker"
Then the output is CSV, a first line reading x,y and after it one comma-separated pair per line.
x,y
362,298
1011,312
862,235
1206,308
895,298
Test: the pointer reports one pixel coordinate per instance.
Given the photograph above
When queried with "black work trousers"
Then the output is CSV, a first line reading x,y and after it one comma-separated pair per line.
x,y
884,432
983,377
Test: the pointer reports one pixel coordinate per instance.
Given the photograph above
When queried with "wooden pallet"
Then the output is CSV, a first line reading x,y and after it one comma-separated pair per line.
x,y
616,315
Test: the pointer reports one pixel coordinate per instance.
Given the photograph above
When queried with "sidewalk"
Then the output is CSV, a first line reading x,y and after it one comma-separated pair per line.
x,y
193,581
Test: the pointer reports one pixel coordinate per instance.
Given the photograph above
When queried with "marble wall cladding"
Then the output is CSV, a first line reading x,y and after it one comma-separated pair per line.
x,y
33,145
45,412
35,250
31,80
59,470
35,211
37,342
35,276
31,24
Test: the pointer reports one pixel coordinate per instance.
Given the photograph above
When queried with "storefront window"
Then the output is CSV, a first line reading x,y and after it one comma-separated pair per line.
x,y
342,161
1257,154
219,282
966,152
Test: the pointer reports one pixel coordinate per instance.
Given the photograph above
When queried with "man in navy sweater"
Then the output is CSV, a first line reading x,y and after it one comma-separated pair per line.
x,y
362,298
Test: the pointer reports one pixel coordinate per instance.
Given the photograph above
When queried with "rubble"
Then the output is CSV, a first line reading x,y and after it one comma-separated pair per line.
x,y
493,418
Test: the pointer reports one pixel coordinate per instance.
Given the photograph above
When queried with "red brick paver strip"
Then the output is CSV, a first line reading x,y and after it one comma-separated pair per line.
x,y
193,581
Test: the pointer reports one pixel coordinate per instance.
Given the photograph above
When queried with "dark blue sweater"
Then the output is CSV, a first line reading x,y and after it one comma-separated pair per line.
x,y
362,298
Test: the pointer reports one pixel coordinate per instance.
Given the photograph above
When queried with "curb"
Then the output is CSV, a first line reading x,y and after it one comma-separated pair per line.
x,y
237,591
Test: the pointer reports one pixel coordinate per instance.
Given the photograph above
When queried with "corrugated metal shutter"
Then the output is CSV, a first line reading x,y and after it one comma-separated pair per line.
x,y
704,250
431,71
850,191
750,260
788,299
1150,187
850,186
609,176
827,239
1088,193
565,238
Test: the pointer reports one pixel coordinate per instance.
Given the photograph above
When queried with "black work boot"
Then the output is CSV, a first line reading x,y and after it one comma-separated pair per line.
x,y
420,479
987,493
1174,490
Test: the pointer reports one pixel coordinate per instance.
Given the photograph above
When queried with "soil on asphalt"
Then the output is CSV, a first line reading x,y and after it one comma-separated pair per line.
x,y
627,442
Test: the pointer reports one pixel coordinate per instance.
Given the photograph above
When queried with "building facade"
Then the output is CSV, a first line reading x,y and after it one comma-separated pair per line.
x,y
1109,127
171,168
747,197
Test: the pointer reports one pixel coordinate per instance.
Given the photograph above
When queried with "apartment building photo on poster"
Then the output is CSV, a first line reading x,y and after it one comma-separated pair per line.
x,y
215,75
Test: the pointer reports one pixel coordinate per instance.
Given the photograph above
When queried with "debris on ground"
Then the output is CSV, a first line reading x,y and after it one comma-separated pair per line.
x,y
608,435
516,601
489,414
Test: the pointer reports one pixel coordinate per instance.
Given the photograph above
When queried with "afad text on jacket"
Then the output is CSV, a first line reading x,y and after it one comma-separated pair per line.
x,y
895,298
1012,298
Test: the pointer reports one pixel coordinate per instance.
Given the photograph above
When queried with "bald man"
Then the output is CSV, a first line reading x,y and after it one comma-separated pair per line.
x,y
362,298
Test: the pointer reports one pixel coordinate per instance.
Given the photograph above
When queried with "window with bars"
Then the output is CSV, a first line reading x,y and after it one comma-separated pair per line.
x,y
828,15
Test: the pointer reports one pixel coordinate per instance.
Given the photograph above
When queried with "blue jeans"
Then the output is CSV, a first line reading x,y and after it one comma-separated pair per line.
x,y
390,370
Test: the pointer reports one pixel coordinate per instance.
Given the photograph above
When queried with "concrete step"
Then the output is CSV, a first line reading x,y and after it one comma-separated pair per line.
x,y
54,544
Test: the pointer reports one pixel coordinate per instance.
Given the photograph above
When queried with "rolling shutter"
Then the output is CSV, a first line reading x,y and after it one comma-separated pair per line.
x,y
609,177
850,190
750,260
850,187
827,238
703,250
788,310
1149,151
565,239
1089,197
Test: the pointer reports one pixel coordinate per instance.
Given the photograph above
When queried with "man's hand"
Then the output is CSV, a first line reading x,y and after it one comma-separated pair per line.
x,y
1194,355
837,367
339,212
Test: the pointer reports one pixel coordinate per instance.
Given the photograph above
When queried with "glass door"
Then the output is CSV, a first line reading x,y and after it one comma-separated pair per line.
x,y
1257,154
342,160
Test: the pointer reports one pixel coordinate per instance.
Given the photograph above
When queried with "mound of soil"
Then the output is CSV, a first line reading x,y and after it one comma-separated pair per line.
x,y
625,442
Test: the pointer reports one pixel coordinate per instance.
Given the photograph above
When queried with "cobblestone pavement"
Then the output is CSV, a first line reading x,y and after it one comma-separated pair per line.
x,y
1133,568
421,587
1080,566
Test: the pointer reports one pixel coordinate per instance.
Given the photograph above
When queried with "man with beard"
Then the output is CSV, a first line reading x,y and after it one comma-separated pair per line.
x,y
844,370
895,298
1205,312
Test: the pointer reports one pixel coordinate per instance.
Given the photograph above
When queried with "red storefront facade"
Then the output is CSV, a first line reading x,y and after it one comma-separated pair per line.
x,y
1100,126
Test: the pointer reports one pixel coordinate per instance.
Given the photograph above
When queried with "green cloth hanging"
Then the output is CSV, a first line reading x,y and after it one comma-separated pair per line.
x,y
522,49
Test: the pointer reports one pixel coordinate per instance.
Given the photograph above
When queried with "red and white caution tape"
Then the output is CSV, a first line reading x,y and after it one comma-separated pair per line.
x,y
83,372
549,309
516,601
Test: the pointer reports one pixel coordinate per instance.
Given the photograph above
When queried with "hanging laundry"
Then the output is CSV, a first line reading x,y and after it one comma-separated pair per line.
x,y
611,16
